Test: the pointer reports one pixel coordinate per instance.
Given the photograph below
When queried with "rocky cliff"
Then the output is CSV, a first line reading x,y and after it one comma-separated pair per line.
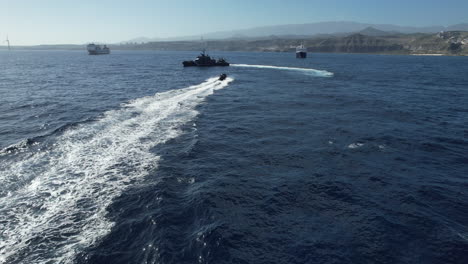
x,y
449,43
366,41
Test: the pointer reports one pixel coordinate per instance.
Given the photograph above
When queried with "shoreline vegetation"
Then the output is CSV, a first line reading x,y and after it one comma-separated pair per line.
x,y
454,43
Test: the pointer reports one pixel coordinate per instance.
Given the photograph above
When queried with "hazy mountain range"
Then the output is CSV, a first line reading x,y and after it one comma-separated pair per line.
x,y
339,37
310,29
368,40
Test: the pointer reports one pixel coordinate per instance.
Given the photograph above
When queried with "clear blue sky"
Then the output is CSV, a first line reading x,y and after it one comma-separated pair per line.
x,y
80,21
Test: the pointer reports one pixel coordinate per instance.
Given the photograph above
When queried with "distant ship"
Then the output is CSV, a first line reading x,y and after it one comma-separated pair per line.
x,y
204,60
94,49
301,52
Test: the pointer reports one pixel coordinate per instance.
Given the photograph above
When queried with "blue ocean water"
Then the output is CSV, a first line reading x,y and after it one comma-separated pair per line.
x,y
130,158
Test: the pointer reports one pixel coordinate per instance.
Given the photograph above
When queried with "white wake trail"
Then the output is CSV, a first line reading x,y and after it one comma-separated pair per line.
x,y
59,207
311,72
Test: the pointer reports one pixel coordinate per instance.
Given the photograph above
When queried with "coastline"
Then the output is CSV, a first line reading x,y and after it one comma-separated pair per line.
x,y
119,48
433,54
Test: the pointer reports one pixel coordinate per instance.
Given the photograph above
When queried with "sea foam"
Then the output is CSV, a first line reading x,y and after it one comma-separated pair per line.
x,y
56,199
311,72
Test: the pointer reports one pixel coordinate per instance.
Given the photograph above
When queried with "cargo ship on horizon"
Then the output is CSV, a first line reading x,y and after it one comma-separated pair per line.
x,y
94,49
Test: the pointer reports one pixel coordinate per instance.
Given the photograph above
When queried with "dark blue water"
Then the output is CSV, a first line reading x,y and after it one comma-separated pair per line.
x,y
130,158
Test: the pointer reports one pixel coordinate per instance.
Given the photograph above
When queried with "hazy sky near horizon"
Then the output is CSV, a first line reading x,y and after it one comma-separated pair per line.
x,y
30,22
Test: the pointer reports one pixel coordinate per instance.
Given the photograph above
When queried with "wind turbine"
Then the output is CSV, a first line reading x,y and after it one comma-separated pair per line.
x,y
8,41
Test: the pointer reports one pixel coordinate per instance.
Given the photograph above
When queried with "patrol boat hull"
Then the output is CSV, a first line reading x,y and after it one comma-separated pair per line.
x,y
203,60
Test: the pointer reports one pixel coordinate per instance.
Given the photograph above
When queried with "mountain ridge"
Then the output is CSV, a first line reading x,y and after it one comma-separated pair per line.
x,y
442,43
309,29
369,40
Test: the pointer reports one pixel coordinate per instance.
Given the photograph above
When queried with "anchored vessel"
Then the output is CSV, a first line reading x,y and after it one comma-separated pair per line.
x,y
204,60
94,49
301,52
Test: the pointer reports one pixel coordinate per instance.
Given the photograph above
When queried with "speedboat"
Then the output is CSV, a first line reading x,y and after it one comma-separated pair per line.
x,y
222,77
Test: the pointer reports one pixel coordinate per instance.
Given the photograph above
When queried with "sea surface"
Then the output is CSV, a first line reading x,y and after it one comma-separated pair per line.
x,y
131,158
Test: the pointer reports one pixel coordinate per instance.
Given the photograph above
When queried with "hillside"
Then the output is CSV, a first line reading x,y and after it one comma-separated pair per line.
x,y
449,43
368,40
